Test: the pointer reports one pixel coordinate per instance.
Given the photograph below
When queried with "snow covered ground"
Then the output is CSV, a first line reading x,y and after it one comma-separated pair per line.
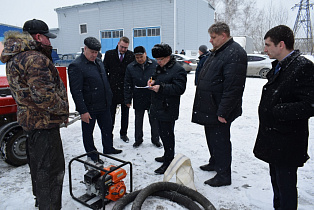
x,y
250,189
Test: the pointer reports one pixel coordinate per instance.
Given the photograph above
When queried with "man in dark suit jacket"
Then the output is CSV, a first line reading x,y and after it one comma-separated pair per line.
x,y
116,61
92,97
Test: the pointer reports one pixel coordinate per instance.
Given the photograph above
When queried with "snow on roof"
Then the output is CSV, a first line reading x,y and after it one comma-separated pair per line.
x,y
81,5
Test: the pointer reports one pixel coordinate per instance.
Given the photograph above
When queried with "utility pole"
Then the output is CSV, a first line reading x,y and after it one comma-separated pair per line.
x,y
304,42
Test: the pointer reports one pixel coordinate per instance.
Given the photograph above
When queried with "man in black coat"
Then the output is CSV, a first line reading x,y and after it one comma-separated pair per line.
x,y
284,111
136,76
92,97
218,100
202,51
116,61
168,84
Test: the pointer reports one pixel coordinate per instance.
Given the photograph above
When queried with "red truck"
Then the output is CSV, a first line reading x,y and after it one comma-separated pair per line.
x,y
12,137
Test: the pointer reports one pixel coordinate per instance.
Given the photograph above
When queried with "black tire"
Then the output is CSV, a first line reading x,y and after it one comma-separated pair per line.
x,y
263,73
170,195
13,140
169,186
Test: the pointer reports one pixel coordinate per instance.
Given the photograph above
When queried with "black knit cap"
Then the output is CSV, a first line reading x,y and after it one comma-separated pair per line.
x,y
203,48
161,50
92,43
38,27
139,50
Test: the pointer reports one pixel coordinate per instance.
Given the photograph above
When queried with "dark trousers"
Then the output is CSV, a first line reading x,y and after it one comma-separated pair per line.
x,y
124,117
139,118
219,145
284,182
166,133
104,122
46,162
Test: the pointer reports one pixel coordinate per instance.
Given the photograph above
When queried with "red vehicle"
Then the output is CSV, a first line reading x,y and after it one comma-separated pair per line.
x,y
12,137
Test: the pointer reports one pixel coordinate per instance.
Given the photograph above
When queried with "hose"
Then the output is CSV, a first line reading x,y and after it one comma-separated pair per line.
x,y
166,186
170,195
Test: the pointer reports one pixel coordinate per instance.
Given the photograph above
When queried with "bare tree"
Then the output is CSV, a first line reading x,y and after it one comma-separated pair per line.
x,y
244,18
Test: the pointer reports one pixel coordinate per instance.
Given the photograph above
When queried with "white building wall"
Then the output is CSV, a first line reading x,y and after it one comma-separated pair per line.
x,y
193,20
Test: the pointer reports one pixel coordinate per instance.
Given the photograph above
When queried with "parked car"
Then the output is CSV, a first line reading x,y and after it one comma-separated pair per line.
x,y
189,64
66,59
258,65
309,57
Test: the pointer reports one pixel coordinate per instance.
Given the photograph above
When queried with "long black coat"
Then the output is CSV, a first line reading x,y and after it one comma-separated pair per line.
x,y
202,58
116,72
220,85
135,75
172,80
284,110
89,85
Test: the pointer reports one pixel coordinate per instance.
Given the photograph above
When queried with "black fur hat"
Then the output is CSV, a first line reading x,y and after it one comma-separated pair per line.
x,y
161,50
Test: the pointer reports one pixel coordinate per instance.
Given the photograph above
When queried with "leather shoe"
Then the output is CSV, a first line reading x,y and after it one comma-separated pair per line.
x,y
137,144
160,159
125,138
114,151
157,144
161,169
218,181
207,167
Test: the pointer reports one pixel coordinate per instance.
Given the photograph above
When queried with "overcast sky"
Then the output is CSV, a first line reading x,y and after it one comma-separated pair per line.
x,y
21,10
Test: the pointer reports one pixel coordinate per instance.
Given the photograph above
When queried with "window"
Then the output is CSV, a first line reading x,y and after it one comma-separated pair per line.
x,y
112,34
153,32
255,58
83,28
139,32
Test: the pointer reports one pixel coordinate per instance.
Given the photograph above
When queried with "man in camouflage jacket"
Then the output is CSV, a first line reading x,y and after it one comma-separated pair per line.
x,y
42,105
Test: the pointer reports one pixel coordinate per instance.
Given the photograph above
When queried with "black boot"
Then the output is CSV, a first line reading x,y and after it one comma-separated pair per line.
x,y
208,167
137,143
160,159
157,144
162,169
219,180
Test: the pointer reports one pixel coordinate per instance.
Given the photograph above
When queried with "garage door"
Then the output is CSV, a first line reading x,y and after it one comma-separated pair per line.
x,y
146,37
110,39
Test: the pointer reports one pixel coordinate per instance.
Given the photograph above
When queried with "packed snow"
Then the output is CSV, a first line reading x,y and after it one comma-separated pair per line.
x,y
250,189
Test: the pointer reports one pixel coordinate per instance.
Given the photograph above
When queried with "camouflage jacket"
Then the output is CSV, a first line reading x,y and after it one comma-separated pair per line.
x,y
34,82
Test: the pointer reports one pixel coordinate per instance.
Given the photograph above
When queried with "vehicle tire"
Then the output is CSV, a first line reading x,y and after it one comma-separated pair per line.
x,y
14,142
263,73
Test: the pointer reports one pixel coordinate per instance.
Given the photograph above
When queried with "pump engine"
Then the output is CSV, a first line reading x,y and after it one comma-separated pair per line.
x,y
113,186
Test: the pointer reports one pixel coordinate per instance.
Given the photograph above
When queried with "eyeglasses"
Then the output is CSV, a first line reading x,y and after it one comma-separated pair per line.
x,y
123,47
